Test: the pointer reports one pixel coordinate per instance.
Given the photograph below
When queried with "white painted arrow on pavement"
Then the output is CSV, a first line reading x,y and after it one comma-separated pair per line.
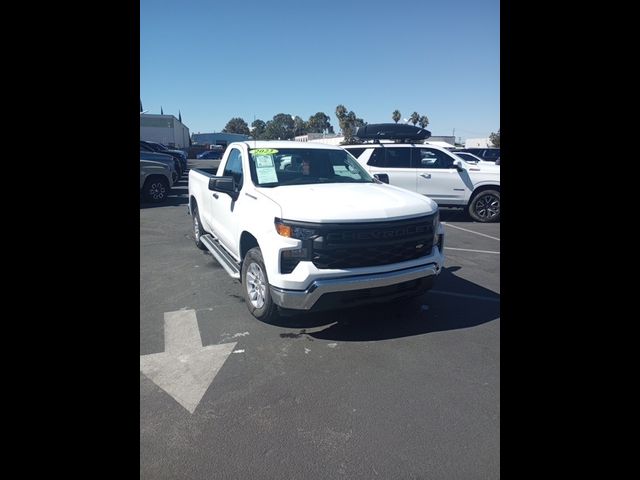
x,y
185,369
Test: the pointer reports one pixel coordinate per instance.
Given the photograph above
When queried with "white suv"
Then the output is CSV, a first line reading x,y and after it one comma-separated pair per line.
x,y
435,172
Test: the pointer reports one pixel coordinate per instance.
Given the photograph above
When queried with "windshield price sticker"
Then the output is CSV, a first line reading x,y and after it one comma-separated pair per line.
x,y
263,151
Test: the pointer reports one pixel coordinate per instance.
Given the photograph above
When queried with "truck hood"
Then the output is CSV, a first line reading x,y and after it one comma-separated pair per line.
x,y
347,202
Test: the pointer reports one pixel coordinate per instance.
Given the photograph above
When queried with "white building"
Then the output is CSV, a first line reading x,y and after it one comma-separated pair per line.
x,y
165,129
328,139
478,142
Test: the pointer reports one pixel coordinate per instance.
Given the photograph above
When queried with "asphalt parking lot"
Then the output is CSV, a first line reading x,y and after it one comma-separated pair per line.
x,y
392,391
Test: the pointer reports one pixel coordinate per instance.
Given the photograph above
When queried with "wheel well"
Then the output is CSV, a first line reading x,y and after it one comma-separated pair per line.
x,y
151,178
192,203
247,242
482,189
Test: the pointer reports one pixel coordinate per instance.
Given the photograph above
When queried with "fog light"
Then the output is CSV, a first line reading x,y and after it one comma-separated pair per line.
x,y
289,259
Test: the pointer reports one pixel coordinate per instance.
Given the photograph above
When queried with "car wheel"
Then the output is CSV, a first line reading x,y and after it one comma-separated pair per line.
x,y
485,206
156,189
198,231
256,287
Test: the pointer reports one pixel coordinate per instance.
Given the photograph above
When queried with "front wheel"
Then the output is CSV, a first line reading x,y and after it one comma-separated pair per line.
x,y
256,287
485,206
198,231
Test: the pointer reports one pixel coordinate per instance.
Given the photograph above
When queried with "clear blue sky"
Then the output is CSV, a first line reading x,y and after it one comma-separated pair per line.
x,y
217,59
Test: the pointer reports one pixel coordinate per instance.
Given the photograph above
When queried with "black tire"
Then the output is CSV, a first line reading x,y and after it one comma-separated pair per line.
x,y
156,189
255,287
485,206
198,230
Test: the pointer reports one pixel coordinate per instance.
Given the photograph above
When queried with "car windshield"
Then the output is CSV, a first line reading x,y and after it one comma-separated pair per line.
x,y
276,167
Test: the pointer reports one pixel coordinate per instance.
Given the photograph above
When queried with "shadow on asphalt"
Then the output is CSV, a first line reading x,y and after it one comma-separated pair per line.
x,y
454,215
453,304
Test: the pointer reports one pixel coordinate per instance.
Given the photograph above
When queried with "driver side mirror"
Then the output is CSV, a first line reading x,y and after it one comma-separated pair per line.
x,y
457,164
224,185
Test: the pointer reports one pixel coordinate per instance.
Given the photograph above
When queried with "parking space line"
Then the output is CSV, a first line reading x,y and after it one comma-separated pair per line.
x,y
470,231
469,250
465,295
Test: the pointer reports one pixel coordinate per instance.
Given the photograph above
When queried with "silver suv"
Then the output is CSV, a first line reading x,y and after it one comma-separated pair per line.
x,y
156,180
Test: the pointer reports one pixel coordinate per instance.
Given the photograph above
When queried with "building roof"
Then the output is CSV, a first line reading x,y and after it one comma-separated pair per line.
x,y
210,138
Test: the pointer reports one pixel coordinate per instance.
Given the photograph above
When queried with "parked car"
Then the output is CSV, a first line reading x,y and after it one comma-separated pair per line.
x,y
430,170
211,154
160,148
471,158
168,160
487,154
155,180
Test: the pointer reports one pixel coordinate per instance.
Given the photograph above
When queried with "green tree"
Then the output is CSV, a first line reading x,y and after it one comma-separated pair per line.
x,y
318,123
396,115
424,121
414,118
348,122
280,127
257,129
299,126
495,139
236,125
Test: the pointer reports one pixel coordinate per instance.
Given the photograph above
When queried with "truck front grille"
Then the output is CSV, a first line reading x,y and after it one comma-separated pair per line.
x,y
372,244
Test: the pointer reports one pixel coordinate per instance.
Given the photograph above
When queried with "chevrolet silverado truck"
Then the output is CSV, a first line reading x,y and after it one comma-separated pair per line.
x,y
304,227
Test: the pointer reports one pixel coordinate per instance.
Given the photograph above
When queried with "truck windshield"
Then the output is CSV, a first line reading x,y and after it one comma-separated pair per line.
x,y
275,167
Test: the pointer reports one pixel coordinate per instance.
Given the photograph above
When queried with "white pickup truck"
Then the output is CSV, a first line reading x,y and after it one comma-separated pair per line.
x,y
304,227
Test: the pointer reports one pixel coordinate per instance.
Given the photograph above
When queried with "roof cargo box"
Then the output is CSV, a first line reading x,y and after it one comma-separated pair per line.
x,y
391,131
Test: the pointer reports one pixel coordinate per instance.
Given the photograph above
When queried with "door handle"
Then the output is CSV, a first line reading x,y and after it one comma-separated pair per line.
x,y
425,175
215,195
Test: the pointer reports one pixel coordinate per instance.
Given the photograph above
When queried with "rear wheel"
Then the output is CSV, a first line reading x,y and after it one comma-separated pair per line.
x,y
485,206
156,189
256,287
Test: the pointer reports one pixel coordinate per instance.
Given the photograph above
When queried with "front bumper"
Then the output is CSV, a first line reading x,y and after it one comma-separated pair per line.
x,y
307,299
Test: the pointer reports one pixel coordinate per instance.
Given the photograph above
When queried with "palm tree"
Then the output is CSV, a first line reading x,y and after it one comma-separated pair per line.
x,y
396,115
414,118
424,121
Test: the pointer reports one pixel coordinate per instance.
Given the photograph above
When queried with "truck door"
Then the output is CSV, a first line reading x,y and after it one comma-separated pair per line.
x,y
223,209
438,179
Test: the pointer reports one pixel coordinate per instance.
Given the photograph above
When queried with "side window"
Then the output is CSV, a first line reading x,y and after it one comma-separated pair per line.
x,y
397,157
491,154
233,168
356,152
430,158
377,158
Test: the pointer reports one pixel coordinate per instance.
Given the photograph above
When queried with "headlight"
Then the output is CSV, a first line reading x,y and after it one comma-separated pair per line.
x,y
291,231
290,258
436,223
